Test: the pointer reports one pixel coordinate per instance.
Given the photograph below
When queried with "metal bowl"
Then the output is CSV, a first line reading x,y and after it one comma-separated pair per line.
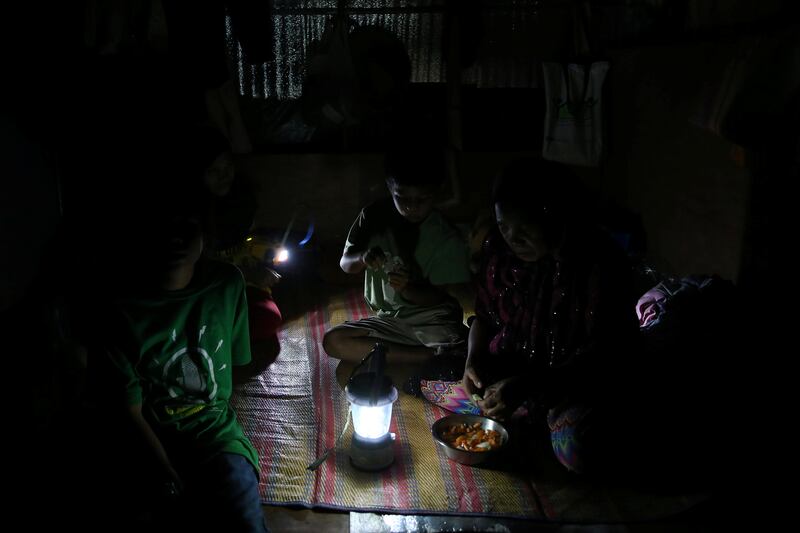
x,y
463,456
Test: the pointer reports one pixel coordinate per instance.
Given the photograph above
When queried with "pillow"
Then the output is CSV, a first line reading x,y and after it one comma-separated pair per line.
x,y
449,395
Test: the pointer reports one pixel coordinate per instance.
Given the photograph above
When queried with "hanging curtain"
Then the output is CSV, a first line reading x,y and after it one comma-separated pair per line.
x,y
507,54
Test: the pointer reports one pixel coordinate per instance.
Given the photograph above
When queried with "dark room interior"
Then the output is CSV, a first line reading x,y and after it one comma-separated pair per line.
x,y
262,129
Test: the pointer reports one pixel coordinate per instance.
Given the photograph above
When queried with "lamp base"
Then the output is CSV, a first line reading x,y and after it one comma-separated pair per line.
x,y
372,454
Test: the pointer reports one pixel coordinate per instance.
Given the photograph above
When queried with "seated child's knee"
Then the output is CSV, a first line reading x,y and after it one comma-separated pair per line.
x,y
330,342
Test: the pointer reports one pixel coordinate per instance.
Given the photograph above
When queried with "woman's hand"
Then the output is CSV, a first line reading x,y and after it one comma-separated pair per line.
x,y
472,382
502,398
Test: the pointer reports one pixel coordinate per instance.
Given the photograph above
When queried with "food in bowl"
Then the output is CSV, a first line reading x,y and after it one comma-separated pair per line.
x,y
467,423
472,437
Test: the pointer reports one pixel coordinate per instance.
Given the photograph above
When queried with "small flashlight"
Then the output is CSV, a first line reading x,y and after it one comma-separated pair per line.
x,y
282,256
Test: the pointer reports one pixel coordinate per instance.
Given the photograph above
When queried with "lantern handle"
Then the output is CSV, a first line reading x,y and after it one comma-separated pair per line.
x,y
379,365
355,368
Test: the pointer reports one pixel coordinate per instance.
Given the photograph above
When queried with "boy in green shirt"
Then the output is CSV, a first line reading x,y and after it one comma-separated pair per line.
x,y
412,259
173,350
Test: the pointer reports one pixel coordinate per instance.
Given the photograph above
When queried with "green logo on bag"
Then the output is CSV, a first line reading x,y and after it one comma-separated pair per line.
x,y
579,111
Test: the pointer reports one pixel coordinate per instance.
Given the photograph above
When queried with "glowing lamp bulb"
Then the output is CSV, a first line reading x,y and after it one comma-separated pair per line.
x,y
372,422
282,256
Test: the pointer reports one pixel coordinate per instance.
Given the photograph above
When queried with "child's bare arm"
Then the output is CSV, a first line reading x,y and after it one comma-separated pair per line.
x,y
355,261
153,443
352,262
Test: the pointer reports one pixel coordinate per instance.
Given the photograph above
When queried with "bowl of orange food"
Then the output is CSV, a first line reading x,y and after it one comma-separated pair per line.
x,y
469,439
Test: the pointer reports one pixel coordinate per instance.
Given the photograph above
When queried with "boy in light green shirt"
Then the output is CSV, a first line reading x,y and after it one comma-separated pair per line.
x,y
412,259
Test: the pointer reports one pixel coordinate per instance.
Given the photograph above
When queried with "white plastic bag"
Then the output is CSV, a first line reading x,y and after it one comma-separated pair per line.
x,y
573,122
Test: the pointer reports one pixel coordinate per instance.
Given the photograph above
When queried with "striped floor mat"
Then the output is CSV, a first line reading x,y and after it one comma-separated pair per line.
x,y
296,409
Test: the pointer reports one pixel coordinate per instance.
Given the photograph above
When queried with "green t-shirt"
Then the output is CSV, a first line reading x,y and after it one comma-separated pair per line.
x,y
176,350
432,251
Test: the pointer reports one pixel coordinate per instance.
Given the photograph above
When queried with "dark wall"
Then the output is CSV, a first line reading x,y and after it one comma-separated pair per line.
x,y
689,184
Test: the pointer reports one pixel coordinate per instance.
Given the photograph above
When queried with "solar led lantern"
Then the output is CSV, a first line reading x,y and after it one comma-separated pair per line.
x,y
371,395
